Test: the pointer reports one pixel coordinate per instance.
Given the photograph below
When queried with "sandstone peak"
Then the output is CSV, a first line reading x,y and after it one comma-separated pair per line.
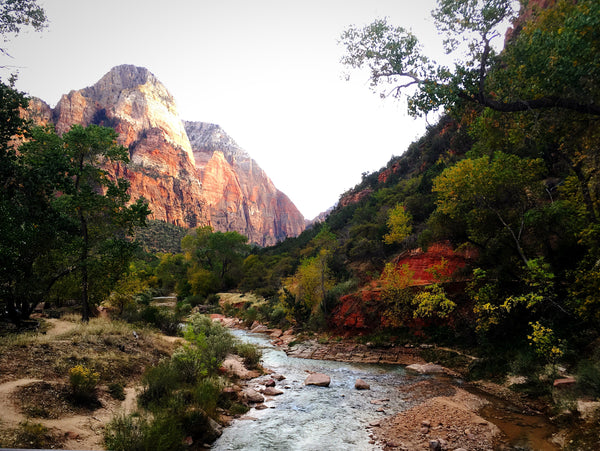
x,y
207,138
208,181
123,77
133,100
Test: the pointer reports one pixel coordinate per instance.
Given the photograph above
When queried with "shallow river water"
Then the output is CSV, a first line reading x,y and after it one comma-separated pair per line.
x,y
310,418
317,418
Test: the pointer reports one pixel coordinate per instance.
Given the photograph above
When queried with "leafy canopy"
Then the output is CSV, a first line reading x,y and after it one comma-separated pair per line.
x,y
561,48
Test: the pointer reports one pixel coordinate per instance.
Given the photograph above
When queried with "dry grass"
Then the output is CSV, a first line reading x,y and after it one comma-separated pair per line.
x,y
109,347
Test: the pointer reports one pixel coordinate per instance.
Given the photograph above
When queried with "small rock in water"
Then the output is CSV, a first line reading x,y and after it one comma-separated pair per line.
x,y
252,395
272,391
270,383
361,385
319,379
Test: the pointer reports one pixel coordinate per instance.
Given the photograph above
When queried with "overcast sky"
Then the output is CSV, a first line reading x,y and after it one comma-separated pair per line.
x,y
267,71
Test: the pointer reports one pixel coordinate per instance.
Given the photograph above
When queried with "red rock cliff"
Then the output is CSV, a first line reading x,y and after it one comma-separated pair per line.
x,y
219,185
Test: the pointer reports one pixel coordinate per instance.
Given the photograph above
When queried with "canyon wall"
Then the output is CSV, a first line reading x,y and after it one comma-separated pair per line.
x,y
191,173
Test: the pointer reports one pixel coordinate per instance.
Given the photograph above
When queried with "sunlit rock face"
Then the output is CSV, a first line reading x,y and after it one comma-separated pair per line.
x,y
210,181
239,194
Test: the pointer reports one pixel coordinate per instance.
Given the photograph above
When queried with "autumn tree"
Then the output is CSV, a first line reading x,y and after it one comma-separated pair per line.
x,y
399,225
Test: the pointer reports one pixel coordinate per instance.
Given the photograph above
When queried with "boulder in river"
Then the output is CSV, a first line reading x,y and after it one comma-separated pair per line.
x,y
271,391
361,385
252,395
319,379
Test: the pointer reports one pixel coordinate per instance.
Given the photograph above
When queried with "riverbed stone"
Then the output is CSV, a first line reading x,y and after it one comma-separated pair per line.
x,y
260,329
252,395
276,333
361,385
319,379
271,391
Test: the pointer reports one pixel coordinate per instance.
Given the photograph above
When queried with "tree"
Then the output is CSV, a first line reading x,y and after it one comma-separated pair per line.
x,y
99,205
399,225
15,14
492,194
216,259
30,226
569,43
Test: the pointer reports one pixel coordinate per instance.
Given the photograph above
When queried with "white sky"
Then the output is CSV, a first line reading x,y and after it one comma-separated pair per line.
x,y
267,71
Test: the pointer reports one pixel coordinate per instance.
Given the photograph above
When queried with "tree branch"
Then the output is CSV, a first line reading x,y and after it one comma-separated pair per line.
x,y
535,104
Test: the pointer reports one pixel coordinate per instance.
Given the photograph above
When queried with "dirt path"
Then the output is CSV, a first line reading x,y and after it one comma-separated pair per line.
x,y
58,327
9,414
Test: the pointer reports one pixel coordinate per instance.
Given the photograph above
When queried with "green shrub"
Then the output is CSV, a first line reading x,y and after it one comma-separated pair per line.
x,y
212,340
124,433
159,381
588,377
116,390
250,315
83,382
189,363
250,353
213,299
139,433
34,436
195,300
206,395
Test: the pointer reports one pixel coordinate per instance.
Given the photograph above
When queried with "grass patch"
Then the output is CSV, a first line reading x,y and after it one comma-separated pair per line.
x,y
32,436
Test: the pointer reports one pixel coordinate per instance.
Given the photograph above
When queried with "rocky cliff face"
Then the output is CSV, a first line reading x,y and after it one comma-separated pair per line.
x,y
192,174
239,195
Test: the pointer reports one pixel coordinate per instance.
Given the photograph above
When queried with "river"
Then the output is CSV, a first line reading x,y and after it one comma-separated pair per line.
x,y
317,418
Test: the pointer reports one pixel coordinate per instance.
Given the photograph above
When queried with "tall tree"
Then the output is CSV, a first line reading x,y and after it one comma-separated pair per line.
x,y
99,204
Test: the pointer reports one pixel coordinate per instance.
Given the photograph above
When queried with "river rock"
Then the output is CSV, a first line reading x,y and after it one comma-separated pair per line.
x,y
260,329
214,430
319,379
361,385
271,391
270,383
426,368
278,377
252,395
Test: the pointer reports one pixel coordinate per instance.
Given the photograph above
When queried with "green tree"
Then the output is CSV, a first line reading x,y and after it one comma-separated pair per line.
x,y
30,226
100,206
216,259
16,14
395,58
492,195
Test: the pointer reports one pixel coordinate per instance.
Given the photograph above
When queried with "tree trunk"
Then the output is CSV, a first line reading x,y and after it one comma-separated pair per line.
x,y
85,307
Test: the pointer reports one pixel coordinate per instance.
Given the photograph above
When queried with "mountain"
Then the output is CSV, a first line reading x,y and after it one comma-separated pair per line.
x,y
192,173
